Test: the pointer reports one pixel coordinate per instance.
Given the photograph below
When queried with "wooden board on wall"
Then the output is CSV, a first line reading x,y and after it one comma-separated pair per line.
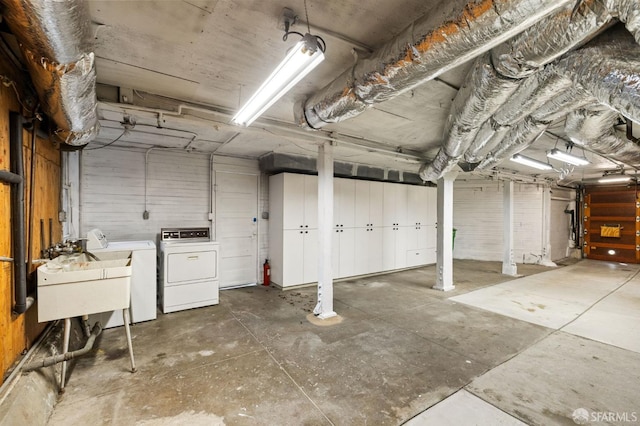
x,y
17,333
611,208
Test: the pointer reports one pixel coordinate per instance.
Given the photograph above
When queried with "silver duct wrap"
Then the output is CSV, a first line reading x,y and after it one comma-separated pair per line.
x,y
557,107
483,93
627,11
488,137
53,37
535,91
609,69
550,38
518,138
593,128
457,31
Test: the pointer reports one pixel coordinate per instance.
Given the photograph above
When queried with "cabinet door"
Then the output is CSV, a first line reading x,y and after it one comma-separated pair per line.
x,y
310,256
344,203
361,257
388,248
389,200
376,204
310,200
401,247
418,200
293,201
292,257
430,236
361,204
335,253
347,252
401,205
375,250
431,208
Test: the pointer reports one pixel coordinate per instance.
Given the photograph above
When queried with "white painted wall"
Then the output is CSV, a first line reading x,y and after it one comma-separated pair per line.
x,y
112,192
477,216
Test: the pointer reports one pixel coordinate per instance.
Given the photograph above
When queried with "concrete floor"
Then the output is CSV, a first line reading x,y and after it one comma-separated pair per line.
x,y
403,353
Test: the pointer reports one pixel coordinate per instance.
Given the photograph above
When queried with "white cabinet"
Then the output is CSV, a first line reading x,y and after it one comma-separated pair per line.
x,y
421,232
377,227
300,196
394,212
300,257
394,247
293,234
344,203
368,253
368,204
343,252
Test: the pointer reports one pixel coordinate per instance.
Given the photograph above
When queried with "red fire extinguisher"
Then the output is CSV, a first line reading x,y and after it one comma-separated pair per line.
x,y
266,273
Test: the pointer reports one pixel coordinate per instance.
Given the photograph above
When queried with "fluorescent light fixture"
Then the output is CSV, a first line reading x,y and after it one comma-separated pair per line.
x,y
556,154
300,60
615,179
518,158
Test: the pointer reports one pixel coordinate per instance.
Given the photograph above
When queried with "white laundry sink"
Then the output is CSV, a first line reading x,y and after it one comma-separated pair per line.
x,y
76,285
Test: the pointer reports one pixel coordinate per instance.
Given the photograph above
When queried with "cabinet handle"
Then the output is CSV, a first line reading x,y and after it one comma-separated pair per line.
x,y
306,226
301,232
341,230
306,232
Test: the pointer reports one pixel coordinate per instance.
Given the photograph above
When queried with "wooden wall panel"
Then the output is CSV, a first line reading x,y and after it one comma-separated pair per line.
x,y
18,333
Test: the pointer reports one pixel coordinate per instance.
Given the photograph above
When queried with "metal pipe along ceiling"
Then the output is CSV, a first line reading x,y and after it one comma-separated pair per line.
x,y
53,36
428,47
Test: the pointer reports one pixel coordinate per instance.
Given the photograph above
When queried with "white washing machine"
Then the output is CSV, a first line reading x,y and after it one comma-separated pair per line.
x,y
143,278
188,269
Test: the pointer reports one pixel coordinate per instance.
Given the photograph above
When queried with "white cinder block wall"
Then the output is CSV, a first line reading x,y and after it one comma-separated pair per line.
x,y
477,216
178,194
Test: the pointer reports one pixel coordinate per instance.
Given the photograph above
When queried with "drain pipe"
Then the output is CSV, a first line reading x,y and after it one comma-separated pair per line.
x,y
55,359
17,213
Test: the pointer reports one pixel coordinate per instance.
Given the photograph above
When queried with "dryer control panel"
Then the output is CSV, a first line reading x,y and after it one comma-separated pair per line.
x,y
184,234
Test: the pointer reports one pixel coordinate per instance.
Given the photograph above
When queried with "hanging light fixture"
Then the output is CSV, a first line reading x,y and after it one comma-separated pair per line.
x,y
299,61
566,157
531,162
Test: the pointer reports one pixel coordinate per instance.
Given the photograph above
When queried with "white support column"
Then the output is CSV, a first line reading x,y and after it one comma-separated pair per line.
x,y
324,307
508,264
546,228
444,265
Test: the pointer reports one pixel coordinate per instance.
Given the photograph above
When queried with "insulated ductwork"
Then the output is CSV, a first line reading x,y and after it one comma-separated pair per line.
x,y
431,45
53,38
609,69
550,38
517,58
483,93
517,139
593,128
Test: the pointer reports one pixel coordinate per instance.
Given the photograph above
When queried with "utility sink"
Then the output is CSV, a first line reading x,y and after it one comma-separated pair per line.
x,y
75,285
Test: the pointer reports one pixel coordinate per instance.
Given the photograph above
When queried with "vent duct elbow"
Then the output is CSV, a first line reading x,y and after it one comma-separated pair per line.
x,y
53,38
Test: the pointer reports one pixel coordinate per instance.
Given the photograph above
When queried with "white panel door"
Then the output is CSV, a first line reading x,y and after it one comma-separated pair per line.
x,y
361,258
236,227
347,252
362,204
388,248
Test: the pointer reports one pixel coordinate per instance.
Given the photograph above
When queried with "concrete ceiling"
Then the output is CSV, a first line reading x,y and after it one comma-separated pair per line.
x,y
215,53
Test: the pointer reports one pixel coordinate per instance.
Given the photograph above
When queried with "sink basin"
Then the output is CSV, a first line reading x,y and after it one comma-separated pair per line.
x,y
75,285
